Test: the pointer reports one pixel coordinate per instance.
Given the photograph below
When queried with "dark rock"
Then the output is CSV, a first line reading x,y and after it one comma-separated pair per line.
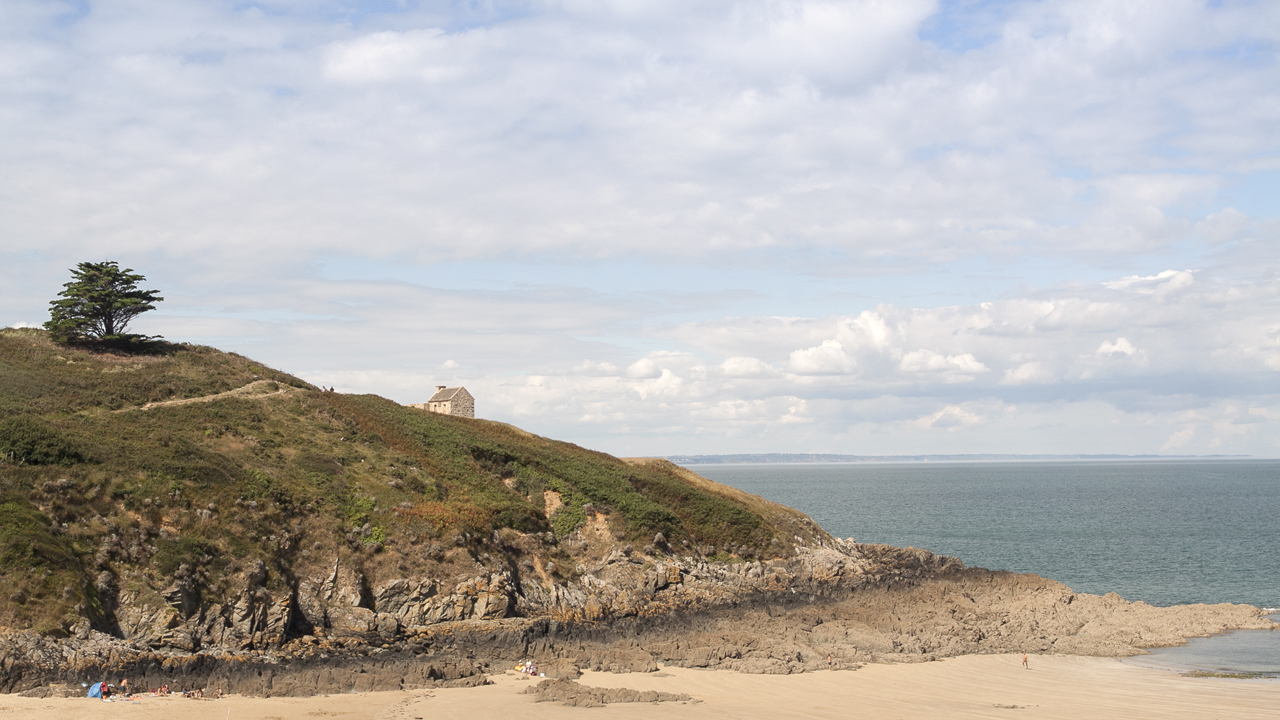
x,y
572,694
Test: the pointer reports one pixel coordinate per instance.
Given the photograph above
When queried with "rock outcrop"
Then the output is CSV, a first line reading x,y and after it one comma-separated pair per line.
x,y
572,694
626,613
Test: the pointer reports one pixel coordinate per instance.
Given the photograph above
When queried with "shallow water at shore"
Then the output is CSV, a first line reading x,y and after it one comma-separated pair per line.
x,y
1242,651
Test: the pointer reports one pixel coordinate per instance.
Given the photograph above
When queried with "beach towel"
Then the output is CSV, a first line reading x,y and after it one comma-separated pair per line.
x,y
95,691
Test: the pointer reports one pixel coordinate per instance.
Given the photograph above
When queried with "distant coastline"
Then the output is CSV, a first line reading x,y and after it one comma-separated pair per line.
x,y
782,458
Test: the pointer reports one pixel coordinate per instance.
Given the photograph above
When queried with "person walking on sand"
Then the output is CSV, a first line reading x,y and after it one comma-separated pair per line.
x,y
830,662
1025,666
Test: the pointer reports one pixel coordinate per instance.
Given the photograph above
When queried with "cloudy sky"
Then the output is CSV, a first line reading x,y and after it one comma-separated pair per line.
x,y
654,227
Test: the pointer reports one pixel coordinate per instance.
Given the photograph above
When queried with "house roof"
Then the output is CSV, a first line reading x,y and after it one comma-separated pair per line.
x,y
447,394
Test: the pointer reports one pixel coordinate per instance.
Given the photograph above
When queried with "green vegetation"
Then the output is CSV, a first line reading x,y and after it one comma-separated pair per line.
x,y
98,484
99,303
27,441
648,500
42,575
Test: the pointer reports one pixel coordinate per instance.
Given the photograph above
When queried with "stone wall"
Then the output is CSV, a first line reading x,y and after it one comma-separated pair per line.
x,y
463,405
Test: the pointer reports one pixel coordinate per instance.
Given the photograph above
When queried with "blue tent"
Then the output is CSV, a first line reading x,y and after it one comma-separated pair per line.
x,y
95,691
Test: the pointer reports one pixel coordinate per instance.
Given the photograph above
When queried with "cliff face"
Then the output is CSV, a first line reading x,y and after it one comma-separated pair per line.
x,y
853,603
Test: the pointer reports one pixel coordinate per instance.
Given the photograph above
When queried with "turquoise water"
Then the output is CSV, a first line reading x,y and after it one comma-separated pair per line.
x,y
1164,532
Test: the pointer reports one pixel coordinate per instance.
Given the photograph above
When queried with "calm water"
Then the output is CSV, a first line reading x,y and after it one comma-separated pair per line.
x,y
1251,651
1165,533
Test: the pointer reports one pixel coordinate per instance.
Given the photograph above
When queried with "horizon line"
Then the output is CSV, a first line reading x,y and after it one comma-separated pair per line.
x,y
798,458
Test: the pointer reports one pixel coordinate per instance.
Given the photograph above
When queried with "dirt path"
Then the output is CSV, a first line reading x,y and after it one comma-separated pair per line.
x,y
255,389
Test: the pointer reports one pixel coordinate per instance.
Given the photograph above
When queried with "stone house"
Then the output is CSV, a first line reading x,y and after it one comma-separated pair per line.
x,y
450,401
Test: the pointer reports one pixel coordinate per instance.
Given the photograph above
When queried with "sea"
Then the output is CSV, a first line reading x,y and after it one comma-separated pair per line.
x,y
1165,532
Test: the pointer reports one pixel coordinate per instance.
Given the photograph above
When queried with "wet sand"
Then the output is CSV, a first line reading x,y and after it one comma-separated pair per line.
x,y
975,686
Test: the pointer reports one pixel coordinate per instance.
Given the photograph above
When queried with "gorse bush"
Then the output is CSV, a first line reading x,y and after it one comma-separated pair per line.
x,y
27,441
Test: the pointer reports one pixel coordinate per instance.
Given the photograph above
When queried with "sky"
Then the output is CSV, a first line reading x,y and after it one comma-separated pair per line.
x,y
651,227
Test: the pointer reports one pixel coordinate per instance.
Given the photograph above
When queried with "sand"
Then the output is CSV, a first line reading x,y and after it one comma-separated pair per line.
x,y
975,686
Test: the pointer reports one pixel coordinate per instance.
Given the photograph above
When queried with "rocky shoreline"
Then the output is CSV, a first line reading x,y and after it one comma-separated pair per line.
x,y
855,603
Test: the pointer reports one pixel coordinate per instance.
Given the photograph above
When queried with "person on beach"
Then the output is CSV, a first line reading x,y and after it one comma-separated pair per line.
x,y
1025,666
830,662
124,688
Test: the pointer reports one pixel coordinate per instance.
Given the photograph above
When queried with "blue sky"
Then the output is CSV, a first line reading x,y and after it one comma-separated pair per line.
x,y
655,228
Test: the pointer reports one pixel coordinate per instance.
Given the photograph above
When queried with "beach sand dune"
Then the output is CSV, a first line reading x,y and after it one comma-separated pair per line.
x,y
974,686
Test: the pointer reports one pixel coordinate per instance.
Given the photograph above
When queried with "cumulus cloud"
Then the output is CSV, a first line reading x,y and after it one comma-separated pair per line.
x,y
950,418
829,358
1121,346
745,367
954,368
1028,372
644,368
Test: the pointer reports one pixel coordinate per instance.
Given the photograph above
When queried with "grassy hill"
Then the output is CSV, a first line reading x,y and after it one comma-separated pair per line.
x,y
135,473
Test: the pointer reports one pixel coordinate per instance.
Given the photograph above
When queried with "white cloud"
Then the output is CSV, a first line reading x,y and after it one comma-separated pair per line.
x,y
956,368
1028,372
1121,346
796,413
950,418
1160,285
588,367
644,368
745,367
1179,439
384,56
828,358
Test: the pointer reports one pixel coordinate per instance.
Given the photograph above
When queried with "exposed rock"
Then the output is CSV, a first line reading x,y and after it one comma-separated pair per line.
x,y
858,603
572,694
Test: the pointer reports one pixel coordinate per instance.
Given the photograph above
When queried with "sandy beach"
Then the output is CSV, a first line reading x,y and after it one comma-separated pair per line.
x,y
975,686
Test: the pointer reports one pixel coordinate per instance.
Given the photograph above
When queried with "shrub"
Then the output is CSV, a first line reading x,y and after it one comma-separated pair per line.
x,y
26,441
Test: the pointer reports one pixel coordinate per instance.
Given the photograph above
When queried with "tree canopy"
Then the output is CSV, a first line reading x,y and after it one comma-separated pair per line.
x,y
98,303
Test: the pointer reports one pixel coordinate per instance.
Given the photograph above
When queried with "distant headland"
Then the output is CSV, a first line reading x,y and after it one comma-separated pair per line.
x,y
781,458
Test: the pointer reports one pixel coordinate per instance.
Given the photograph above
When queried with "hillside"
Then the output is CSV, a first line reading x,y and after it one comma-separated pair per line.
x,y
191,498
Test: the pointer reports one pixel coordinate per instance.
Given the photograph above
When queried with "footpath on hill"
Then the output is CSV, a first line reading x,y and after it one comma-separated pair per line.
x,y
255,389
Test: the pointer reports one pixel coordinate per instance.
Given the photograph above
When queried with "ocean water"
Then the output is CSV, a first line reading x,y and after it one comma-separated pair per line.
x,y
1164,532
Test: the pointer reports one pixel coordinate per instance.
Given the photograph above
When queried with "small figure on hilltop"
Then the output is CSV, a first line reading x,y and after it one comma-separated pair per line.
x,y
98,304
